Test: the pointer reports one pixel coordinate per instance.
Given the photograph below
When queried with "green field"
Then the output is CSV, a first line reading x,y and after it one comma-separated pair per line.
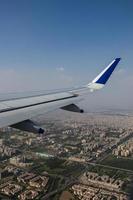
x,y
58,167
123,163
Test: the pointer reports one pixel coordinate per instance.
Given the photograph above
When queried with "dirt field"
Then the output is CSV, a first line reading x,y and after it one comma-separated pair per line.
x,y
66,196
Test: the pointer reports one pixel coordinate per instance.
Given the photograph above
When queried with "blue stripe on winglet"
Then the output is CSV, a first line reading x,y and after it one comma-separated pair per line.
x,y
103,79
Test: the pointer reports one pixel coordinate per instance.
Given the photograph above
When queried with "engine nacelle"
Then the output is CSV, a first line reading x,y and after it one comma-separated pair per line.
x,y
29,126
73,108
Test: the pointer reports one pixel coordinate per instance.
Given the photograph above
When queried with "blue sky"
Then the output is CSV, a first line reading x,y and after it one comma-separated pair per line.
x,y
59,43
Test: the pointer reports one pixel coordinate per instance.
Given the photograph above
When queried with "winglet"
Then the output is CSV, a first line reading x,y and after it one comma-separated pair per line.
x,y
103,77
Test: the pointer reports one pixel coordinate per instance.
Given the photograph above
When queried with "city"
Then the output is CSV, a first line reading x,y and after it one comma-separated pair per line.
x,y
79,157
66,100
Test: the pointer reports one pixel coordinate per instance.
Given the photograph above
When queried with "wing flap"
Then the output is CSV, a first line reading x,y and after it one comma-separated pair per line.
x,y
12,115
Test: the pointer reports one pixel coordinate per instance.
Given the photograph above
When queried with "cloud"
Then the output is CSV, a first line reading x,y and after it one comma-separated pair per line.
x,y
17,80
61,69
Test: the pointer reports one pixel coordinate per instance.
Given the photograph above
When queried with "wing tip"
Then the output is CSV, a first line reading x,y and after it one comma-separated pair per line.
x,y
118,59
106,73
104,76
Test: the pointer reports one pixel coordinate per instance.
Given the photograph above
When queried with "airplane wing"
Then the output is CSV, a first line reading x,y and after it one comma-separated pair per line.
x,y
18,112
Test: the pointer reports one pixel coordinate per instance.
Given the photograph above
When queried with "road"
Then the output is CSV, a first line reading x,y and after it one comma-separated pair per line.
x,y
68,184
108,166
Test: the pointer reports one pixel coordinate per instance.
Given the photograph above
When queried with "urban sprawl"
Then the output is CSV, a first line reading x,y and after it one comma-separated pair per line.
x,y
79,157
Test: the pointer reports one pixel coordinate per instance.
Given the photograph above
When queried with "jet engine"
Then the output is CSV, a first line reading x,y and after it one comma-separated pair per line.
x,y
73,108
29,126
